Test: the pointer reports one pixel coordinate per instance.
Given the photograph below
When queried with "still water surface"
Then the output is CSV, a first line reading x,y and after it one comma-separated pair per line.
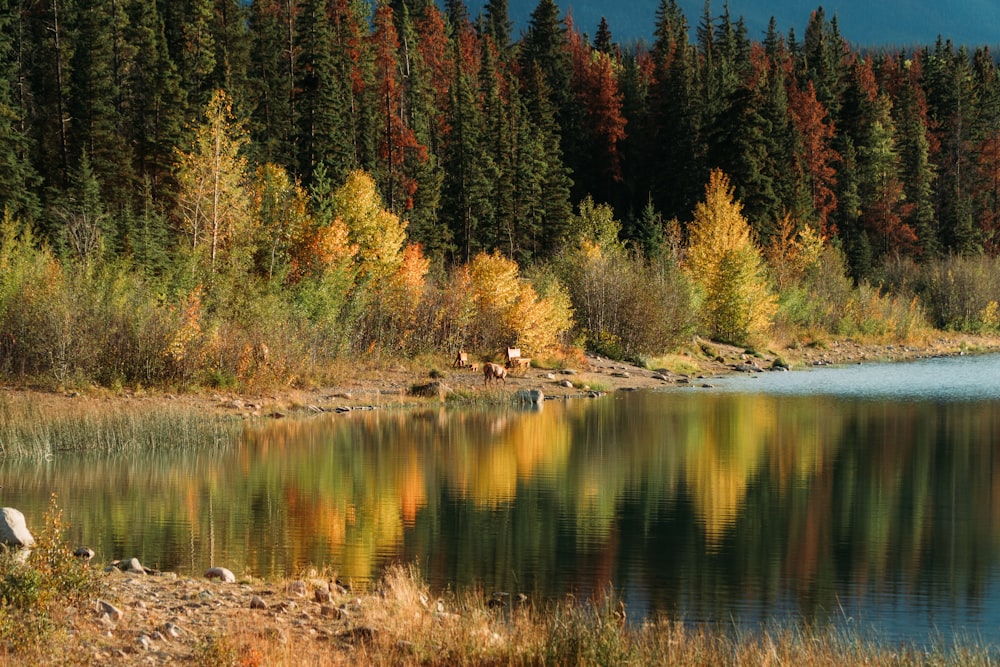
x,y
865,496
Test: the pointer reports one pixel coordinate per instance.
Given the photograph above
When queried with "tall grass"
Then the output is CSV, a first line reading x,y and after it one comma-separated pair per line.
x,y
28,430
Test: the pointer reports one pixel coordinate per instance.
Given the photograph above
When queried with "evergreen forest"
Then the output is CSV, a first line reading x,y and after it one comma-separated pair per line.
x,y
239,193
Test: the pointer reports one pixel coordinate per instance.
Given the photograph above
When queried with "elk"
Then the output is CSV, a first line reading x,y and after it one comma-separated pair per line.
x,y
493,372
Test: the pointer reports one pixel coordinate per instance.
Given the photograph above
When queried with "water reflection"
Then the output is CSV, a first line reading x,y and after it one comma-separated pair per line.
x,y
700,504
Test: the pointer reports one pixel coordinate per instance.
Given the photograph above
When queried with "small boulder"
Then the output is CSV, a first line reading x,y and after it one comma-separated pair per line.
x,y
84,553
220,573
436,389
298,587
13,529
257,603
533,396
567,384
113,612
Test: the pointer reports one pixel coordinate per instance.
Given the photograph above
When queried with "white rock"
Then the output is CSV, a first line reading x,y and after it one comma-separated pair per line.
x,y
222,574
13,529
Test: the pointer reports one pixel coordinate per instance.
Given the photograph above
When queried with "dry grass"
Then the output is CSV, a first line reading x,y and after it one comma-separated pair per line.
x,y
405,624
402,622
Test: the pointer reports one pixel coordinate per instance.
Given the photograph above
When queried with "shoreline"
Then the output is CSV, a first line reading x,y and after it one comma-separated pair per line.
x,y
390,384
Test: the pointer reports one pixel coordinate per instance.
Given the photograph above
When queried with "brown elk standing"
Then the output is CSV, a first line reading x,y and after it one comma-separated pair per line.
x,y
493,372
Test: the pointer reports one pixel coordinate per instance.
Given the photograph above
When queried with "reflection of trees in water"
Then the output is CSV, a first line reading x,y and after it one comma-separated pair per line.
x,y
691,502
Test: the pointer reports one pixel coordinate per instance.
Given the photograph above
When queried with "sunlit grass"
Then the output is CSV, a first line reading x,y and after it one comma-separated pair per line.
x,y
30,430
405,623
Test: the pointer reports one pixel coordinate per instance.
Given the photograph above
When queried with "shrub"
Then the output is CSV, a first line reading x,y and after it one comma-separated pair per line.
x,y
624,305
34,593
959,291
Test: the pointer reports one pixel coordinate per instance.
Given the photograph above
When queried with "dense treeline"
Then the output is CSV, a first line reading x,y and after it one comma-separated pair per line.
x,y
327,164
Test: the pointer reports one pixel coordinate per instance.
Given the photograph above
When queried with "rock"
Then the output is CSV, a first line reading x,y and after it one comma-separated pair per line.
x,y
533,396
298,588
333,612
113,612
257,603
171,631
132,566
434,389
323,596
549,376
747,368
660,376
620,374
84,553
566,383
568,371
779,364
13,529
221,573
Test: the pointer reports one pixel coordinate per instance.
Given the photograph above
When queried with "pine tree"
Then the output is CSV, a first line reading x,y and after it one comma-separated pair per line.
x,y
157,104
602,40
467,198
197,57
50,51
397,141
423,167
232,53
676,159
498,23
554,215
951,104
816,153
96,98
602,125
18,178
544,46
324,92
274,71
915,170
987,137
87,231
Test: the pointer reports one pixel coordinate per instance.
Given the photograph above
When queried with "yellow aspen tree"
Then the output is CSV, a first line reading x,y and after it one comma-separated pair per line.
x,y
211,181
377,232
725,263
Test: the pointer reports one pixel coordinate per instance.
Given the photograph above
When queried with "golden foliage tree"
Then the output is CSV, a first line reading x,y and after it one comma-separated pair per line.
x,y
725,263
509,311
792,251
377,232
282,217
211,184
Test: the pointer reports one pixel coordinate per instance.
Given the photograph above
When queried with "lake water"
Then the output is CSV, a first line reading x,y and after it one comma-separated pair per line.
x,y
866,496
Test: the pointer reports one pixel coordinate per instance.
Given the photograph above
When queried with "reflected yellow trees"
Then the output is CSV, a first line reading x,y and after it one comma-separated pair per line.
x,y
791,488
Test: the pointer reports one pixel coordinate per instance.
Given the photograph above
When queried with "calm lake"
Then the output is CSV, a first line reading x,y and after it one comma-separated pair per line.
x,y
866,496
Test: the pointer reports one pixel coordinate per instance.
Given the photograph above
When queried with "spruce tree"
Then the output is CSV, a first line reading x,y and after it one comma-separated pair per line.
x,y
98,125
157,103
274,70
18,178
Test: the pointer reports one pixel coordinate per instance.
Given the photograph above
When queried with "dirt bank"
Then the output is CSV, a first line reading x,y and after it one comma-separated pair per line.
x,y
391,384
